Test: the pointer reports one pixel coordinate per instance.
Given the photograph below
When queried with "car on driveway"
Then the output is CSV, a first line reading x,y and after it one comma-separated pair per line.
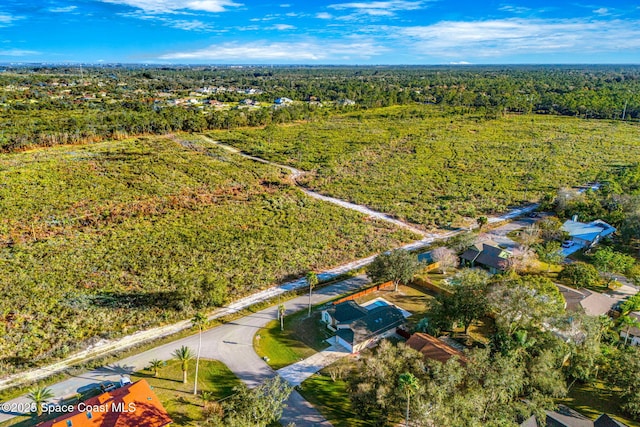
x,y
567,243
107,386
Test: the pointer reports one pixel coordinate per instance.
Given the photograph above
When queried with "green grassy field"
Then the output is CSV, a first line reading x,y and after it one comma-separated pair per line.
x,y
102,240
302,337
432,166
332,400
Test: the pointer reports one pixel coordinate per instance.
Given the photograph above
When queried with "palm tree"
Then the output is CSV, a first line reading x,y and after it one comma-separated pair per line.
x,y
39,396
199,320
281,311
628,322
184,355
155,365
312,280
409,385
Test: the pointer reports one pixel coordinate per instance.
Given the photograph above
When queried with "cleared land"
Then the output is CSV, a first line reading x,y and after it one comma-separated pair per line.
x,y
432,166
101,240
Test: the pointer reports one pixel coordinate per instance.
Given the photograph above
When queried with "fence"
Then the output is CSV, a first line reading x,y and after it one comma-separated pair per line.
x,y
382,286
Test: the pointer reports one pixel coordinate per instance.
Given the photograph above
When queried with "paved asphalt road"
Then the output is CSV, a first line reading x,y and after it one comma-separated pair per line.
x,y
232,344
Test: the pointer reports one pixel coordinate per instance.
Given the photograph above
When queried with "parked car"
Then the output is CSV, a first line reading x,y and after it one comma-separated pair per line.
x,y
533,215
567,243
124,380
107,386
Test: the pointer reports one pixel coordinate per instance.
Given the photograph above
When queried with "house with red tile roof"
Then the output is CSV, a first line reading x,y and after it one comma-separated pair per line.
x,y
134,405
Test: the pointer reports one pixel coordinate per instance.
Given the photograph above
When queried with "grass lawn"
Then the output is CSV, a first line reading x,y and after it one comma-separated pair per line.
x,y
332,400
594,399
302,337
183,407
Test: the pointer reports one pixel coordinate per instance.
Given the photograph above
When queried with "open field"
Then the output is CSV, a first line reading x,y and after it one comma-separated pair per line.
x,y
101,240
431,165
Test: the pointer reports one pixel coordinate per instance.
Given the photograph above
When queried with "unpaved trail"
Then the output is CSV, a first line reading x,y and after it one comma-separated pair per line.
x,y
297,173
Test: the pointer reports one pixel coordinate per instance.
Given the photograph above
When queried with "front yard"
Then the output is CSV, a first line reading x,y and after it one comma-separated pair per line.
x,y
332,399
302,337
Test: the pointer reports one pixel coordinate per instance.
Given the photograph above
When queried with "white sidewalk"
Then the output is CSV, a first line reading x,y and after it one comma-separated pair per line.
x,y
298,372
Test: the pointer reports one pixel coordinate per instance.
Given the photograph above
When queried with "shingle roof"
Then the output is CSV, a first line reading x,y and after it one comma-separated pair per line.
x,y
433,348
596,304
487,253
347,312
147,410
605,420
377,321
567,417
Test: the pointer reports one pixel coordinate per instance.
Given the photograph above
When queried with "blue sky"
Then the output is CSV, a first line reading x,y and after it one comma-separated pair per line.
x,y
320,32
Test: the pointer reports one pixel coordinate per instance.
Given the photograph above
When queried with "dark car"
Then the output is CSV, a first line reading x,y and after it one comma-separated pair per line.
x,y
107,386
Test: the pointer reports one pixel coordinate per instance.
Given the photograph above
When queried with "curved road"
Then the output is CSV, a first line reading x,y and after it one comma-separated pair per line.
x,y
232,344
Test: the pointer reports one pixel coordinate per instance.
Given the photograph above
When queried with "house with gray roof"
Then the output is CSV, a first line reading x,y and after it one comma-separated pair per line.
x,y
487,255
567,417
358,327
587,235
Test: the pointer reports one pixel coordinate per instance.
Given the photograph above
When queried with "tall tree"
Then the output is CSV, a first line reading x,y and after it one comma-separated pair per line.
x,y
199,321
312,281
482,221
39,396
445,257
260,406
184,355
409,385
521,302
580,274
397,266
610,262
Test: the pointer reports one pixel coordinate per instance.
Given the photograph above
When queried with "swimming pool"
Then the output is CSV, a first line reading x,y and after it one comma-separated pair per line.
x,y
376,304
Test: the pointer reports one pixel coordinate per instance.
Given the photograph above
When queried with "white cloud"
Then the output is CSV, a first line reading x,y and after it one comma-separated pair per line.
x,y
378,8
495,38
65,9
514,9
18,52
603,11
181,24
324,15
283,27
285,5
6,19
170,6
280,52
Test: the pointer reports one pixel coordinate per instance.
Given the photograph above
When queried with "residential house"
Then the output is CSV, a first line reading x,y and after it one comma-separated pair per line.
x,y
433,348
358,327
132,405
634,332
283,101
587,235
589,302
567,417
488,255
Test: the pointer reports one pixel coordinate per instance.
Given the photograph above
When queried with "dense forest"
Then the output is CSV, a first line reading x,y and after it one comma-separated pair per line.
x,y
48,106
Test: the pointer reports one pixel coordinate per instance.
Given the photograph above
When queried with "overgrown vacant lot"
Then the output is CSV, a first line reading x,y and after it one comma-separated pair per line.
x,y
100,240
431,166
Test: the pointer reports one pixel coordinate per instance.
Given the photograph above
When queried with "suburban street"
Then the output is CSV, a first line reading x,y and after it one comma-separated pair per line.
x,y
232,344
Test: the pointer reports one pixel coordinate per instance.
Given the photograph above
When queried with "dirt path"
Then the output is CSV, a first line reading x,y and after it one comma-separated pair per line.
x,y
297,173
